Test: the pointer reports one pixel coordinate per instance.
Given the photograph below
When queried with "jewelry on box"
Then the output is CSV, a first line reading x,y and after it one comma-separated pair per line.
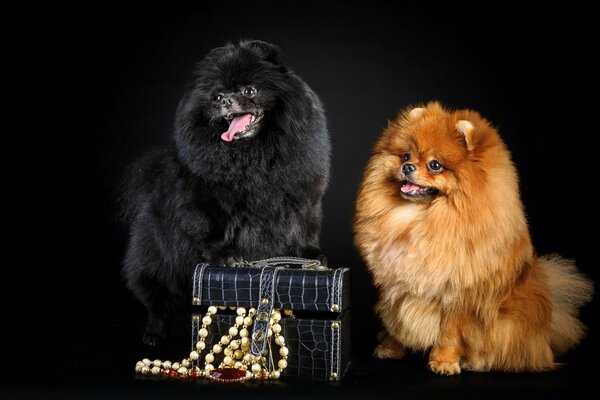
x,y
229,360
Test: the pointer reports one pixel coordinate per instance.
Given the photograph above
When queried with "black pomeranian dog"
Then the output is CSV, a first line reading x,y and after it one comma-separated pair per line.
x,y
243,179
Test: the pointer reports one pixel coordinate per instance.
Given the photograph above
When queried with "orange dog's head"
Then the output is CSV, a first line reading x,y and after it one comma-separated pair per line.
x,y
437,151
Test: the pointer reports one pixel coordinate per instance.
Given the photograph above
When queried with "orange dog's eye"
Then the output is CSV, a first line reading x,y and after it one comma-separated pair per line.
x,y
405,157
435,166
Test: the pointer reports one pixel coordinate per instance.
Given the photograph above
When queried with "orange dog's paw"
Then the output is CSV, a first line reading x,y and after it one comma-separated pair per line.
x,y
394,352
388,347
444,368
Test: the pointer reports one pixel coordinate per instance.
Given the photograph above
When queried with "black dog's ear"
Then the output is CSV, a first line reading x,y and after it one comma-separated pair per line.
x,y
216,52
268,51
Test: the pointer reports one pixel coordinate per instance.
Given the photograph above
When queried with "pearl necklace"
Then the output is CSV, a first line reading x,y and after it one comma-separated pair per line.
x,y
238,364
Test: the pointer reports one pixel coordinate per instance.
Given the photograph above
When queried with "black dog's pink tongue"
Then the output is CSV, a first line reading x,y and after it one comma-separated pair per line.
x,y
238,124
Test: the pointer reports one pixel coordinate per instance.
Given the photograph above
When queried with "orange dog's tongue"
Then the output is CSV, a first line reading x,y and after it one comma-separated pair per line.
x,y
238,124
409,187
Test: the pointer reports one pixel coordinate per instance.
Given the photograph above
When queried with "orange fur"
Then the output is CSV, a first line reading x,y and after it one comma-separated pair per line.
x,y
456,271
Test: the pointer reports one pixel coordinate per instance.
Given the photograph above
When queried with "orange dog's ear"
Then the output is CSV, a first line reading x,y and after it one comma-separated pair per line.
x,y
466,128
416,112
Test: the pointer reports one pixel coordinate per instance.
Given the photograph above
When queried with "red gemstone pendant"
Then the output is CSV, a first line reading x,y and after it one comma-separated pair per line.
x,y
227,375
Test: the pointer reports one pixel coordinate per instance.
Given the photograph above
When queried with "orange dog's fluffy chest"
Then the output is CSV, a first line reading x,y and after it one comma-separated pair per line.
x,y
405,254
404,278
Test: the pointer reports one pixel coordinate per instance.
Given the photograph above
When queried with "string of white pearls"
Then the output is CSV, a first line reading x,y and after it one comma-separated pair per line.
x,y
235,347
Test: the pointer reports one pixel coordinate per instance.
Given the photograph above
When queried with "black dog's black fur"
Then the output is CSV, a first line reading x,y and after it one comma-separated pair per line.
x,y
205,199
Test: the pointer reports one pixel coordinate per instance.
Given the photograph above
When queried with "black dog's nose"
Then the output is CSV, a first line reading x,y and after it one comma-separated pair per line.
x,y
408,169
226,102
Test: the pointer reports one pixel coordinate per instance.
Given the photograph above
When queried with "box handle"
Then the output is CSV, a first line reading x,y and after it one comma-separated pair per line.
x,y
304,263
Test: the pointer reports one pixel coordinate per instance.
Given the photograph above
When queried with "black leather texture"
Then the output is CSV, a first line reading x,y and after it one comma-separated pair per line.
x,y
317,350
296,288
319,342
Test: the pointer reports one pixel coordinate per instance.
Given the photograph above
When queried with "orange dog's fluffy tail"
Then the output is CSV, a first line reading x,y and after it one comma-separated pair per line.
x,y
570,290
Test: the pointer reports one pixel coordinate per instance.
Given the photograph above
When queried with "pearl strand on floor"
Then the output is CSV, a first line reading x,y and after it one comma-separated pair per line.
x,y
238,363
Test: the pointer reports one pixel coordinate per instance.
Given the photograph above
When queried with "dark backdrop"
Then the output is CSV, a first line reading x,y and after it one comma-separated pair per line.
x,y
122,72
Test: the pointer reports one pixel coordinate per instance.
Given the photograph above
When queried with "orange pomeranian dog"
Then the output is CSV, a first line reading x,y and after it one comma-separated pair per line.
x,y
440,224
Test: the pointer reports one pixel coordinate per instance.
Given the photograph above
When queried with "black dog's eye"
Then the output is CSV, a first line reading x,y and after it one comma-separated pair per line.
x,y
249,91
218,97
405,157
435,166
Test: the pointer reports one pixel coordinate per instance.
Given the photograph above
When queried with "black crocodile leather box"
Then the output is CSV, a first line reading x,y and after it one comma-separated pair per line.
x,y
314,300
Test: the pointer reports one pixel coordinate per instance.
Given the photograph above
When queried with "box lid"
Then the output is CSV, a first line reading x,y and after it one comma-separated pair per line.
x,y
298,285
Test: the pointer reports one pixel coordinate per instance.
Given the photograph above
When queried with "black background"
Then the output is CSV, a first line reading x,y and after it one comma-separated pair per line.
x,y
118,72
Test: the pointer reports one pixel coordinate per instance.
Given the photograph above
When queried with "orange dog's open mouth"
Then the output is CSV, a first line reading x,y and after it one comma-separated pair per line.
x,y
412,190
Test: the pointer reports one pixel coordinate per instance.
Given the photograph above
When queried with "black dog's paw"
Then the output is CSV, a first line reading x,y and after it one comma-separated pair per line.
x,y
229,260
220,256
155,331
152,338
314,253
323,259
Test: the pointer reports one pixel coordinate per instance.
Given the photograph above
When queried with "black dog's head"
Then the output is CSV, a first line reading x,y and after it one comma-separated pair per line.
x,y
236,86
244,109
